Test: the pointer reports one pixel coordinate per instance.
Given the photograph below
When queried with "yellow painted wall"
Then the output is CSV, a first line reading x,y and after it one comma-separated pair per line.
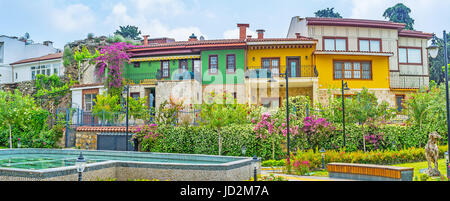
x,y
282,53
380,71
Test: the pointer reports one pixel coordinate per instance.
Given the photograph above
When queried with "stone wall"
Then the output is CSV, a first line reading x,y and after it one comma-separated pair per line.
x,y
89,138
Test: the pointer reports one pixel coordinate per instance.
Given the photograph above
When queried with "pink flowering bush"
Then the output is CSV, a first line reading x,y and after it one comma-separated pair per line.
x,y
146,136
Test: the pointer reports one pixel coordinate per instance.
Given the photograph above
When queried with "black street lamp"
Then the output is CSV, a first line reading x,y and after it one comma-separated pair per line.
x,y
255,168
323,159
126,89
344,87
433,50
80,164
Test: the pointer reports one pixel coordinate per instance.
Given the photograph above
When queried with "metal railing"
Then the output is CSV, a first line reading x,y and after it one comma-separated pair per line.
x,y
408,82
150,78
293,72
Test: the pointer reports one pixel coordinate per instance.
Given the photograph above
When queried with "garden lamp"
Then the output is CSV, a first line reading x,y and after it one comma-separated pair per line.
x,y
433,49
243,149
255,168
344,87
19,144
323,158
80,164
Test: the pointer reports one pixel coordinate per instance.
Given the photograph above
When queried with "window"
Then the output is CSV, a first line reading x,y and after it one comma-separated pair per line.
x,y
17,76
89,101
183,66
352,70
165,69
135,95
409,55
213,64
272,64
231,63
196,66
137,64
370,45
40,70
399,102
335,44
1,52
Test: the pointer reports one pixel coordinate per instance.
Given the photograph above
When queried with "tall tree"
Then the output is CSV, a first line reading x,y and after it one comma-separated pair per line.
x,y
400,13
328,12
131,32
436,65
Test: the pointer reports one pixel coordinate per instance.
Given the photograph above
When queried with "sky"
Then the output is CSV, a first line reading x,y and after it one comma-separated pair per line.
x,y
64,21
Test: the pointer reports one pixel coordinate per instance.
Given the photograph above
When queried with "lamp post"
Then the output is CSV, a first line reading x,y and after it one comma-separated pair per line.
x,y
433,50
322,151
126,90
255,168
343,107
80,164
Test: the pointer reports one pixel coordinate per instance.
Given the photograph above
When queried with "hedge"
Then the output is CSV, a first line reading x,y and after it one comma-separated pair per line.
x,y
202,140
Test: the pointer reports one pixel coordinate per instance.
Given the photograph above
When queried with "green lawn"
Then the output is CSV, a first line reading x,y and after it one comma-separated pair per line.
x,y
421,165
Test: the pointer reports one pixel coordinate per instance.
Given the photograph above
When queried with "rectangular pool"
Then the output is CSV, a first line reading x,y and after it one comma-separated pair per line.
x,y
59,164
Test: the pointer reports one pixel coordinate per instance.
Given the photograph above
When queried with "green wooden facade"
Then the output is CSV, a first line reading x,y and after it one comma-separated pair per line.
x,y
147,70
222,77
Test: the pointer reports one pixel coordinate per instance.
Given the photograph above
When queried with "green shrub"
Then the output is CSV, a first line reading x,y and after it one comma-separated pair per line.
x,y
371,157
203,140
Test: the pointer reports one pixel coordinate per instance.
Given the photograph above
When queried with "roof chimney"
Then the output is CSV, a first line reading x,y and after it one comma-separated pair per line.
x,y
48,43
243,30
192,38
298,35
146,39
260,33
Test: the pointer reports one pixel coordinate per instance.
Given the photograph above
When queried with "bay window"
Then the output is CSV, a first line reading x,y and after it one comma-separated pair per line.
x,y
409,55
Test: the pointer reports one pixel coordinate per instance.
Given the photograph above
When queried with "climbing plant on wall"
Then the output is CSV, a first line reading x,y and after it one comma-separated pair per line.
x,y
111,60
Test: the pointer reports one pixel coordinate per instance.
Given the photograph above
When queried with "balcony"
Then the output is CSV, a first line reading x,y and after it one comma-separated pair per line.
x,y
408,82
305,71
151,78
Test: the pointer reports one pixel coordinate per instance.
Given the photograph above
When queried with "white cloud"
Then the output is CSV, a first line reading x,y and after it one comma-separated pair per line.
x,y
234,34
73,17
148,25
426,13
165,7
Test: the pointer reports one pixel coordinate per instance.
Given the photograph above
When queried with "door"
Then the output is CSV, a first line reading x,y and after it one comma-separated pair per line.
x,y
293,65
197,69
399,102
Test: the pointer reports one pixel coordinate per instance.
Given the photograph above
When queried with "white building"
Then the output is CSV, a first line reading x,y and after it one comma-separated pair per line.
x,y
12,49
28,69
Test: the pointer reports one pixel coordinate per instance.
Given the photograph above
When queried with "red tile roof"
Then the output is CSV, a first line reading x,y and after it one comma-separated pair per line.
x,y
87,85
104,129
302,38
416,34
43,58
191,44
354,22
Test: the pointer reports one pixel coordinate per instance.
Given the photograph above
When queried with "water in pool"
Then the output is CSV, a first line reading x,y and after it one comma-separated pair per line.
x,y
46,161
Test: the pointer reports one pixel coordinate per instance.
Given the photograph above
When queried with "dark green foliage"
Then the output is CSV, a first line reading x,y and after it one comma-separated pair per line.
x,y
400,13
131,32
203,140
328,12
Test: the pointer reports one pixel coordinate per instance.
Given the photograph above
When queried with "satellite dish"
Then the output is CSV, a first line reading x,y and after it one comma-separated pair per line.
x,y
27,35
202,38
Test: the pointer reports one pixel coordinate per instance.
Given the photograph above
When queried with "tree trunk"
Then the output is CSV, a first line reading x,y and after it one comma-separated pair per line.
x,y
220,143
10,137
273,147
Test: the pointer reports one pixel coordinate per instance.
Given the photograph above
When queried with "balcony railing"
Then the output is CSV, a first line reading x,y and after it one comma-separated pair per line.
x,y
408,82
150,78
294,72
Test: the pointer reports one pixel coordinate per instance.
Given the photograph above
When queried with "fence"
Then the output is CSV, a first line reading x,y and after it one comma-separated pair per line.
x,y
279,71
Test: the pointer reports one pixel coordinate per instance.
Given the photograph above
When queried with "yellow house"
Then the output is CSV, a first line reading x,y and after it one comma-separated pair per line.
x,y
379,55
267,61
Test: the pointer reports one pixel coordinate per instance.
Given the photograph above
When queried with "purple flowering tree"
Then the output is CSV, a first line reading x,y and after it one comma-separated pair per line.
x,y
111,61
317,131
